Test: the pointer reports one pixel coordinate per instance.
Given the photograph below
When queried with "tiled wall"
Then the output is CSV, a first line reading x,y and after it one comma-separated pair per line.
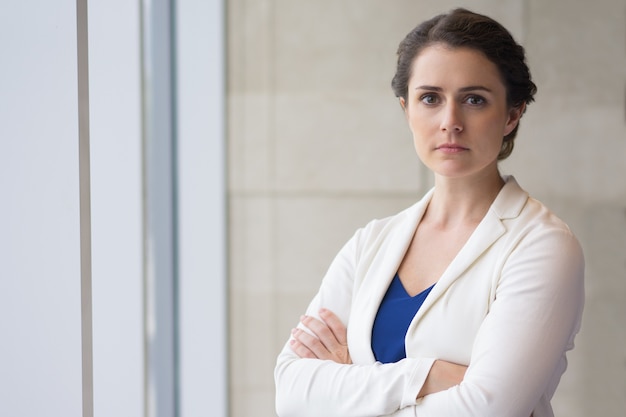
x,y
318,146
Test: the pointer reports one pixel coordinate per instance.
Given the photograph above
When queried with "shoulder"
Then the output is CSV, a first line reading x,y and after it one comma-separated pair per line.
x,y
537,236
523,213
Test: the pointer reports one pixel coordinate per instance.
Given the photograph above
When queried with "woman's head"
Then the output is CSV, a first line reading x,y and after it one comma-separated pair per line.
x,y
464,29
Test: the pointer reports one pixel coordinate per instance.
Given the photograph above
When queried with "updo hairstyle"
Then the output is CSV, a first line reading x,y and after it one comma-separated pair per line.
x,y
462,28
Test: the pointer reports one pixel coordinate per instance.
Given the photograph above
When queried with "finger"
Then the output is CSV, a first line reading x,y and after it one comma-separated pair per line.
x,y
322,331
301,350
335,325
312,343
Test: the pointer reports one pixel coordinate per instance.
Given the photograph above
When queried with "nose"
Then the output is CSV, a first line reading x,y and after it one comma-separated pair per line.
x,y
452,120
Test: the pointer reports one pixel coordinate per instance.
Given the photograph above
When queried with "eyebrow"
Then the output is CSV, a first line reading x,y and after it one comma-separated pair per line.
x,y
462,90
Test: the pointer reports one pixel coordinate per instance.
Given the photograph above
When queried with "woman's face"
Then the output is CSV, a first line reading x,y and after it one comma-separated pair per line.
x,y
457,111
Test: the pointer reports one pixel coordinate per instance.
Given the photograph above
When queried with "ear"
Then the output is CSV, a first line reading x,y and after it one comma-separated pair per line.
x,y
515,114
404,109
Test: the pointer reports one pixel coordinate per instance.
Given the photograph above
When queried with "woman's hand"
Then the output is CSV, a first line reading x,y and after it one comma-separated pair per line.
x,y
329,340
443,375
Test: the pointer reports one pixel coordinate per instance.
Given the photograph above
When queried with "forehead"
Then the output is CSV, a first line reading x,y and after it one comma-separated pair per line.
x,y
443,66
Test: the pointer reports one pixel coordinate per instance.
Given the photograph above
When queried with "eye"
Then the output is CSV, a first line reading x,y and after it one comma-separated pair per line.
x,y
475,100
429,99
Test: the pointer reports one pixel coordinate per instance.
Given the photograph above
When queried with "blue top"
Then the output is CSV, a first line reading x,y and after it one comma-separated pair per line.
x,y
392,321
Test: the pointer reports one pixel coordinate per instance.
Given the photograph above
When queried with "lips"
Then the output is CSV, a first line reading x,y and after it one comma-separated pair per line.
x,y
451,148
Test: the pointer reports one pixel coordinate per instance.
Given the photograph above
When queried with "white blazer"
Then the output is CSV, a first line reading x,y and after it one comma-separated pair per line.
x,y
508,306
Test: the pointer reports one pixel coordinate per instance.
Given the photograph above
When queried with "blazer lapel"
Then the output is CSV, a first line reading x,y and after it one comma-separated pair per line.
x,y
487,232
385,260
508,204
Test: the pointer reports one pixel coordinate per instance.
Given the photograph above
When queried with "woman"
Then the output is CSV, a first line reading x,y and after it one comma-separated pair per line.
x,y
465,303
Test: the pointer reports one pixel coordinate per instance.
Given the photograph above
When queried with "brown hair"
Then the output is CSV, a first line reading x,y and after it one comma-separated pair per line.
x,y
463,28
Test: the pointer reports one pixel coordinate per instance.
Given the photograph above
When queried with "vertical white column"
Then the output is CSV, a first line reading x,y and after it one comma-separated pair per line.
x,y
116,208
40,293
202,207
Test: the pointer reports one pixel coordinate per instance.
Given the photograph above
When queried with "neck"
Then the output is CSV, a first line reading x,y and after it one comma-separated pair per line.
x,y
463,201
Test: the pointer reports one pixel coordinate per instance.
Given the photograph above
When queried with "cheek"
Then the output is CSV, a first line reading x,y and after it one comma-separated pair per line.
x,y
493,125
419,123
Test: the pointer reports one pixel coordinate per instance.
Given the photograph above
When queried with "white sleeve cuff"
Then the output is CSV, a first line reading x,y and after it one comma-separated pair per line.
x,y
416,381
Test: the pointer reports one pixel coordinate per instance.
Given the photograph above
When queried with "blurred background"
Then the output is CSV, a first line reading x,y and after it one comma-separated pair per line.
x,y
235,146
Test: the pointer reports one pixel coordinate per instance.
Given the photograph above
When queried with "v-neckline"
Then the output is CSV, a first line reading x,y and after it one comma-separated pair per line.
x,y
425,290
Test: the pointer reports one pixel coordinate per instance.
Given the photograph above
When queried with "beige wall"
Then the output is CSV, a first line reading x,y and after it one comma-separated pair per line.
x,y
318,146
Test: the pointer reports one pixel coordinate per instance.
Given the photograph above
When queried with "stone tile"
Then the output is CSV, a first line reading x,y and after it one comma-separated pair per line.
x,y
576,50
250,54
257,402
571,151
251,244
354,49
357,142
250,142
252,352
237,341
252,346
604,241
235,46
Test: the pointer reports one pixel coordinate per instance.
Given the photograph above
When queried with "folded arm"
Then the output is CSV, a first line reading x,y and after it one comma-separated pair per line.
x,y
306,386
327,340
516,361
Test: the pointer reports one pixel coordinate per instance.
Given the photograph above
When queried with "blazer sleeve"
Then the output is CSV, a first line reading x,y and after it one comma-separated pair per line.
x,y
519,352
313,387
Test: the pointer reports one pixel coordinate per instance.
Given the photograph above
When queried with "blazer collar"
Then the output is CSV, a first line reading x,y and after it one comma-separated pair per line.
x,y
510,200
508,204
